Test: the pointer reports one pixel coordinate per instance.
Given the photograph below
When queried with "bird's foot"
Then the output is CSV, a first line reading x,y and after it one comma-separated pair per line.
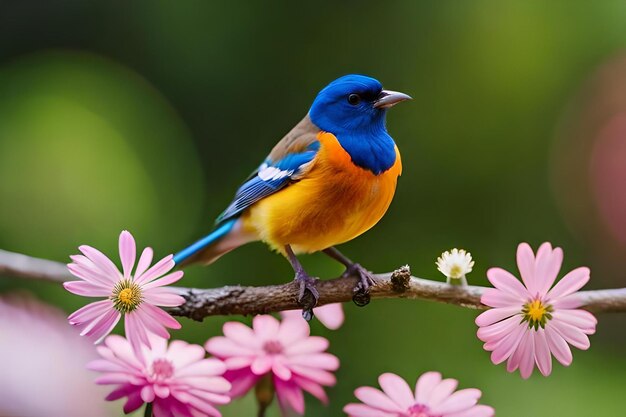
x,y
307,294
365,281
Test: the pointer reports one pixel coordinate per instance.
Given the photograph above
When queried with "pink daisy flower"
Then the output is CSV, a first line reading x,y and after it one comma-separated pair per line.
x,y
330,315
135,296
282,352
176,379
532,321
433,397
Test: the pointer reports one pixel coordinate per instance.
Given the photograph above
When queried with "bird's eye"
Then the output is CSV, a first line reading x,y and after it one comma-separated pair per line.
x,y
354,99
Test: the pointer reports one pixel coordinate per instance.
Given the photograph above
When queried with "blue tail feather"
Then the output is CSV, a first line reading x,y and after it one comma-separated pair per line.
x,y
202,244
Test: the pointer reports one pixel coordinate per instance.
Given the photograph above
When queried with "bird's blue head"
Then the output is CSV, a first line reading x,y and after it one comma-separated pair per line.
x,y
353,108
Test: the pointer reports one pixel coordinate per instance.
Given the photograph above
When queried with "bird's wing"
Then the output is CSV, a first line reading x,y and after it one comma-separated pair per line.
x,y
290,159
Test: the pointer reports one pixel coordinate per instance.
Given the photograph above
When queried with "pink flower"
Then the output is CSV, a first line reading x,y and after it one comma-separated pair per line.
x,y
433,397
330,315
176,379
133,295
283,352
530,322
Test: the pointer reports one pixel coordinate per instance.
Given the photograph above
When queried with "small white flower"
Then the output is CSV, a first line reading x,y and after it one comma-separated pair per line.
x,y
455,264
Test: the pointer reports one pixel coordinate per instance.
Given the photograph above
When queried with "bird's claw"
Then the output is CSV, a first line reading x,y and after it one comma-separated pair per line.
x,y
365,281
307,294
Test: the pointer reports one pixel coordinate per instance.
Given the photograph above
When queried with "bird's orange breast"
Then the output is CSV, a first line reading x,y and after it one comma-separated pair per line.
x,y
334,202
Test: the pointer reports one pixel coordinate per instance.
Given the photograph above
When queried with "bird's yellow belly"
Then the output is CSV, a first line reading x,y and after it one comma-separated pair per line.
x,y
335,202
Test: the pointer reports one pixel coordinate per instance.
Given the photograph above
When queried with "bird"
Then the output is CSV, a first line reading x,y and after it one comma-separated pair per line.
x,y
328,180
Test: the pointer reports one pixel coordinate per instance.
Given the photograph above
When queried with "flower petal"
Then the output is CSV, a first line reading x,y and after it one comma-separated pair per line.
x,y
542,353
101,261
558,346
425,386
90,312
330,315
160,268
166,280
526,266
505,281
144,262
86,289
570,283
362,410
165,297
266,327
547,266
397,389
128,252
494,315
377,399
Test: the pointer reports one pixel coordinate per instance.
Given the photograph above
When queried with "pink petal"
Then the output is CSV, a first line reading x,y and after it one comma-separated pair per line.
x,y
330,315
547,266
293,327
159,269
494,315
289,396
106,326
527,360
558,346
570,283
498,330
164,297
134,402
281,371
311,387
90,312
582,319
262,365
127,252
377,399
458,401
476,411
84,269
571,301
101,261
442,391
135,333
203,368
147,321
266,327
309,345
166,280
494,297
362,410
508,344
526,266
316,360
542,353
224,348
182,353
397,389
144,262
147,394
161,316
86,289
505,281
242,334
123,350
242,381
572,335
319,376
425,386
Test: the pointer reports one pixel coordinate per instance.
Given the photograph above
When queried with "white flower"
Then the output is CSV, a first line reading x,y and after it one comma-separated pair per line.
x,y
455,264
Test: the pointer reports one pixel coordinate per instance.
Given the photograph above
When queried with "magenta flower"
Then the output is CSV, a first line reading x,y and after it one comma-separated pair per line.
x,y
433,397
136,296
283,352
176,379
528,323
330,315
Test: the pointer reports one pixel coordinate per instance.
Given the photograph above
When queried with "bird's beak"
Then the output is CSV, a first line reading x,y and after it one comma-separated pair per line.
x,y
388,98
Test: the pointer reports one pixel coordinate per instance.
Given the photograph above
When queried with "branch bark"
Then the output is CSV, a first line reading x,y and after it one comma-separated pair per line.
x,y
242,300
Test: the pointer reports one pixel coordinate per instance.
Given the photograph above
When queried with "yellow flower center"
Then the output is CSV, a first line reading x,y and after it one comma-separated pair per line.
x,y
456,271
536,313
126,296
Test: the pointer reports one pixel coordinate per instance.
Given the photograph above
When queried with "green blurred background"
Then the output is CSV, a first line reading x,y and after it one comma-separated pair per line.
x,y
147,116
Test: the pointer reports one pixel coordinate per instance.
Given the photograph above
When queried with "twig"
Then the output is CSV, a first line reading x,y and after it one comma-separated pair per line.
x,y
273,298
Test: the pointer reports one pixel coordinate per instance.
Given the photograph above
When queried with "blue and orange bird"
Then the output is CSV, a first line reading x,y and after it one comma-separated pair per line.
x,y
330,179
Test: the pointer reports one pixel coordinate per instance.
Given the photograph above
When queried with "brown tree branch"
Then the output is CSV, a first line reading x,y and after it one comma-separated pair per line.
x,y
273,298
